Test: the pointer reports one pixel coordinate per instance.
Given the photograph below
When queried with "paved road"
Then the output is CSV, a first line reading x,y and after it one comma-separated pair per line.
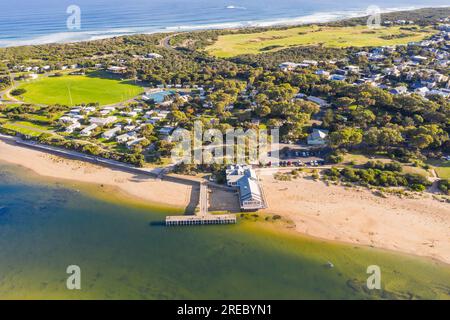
x,y
273,170
165,42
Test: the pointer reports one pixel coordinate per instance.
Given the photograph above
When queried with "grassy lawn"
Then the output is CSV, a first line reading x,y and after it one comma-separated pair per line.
x,y
44,119
416,170
356,159
442,168
27,128
74,90
235,44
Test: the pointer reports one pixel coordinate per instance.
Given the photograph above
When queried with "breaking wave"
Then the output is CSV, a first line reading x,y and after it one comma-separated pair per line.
x,y
64,37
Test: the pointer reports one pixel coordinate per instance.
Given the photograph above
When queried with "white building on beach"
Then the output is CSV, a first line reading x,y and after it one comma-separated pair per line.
x,y
250,193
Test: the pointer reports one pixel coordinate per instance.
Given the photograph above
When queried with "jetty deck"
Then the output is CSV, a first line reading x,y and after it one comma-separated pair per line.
x,y
200,220
203,201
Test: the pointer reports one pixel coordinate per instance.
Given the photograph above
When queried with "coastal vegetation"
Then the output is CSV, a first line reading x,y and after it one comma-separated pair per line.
x,y
378,177
5,77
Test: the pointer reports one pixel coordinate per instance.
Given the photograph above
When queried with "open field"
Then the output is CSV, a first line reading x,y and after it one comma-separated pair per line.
x,y
253,43
442,168
27,128
73,90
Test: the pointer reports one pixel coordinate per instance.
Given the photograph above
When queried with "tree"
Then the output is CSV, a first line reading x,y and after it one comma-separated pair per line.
x,y
363,117
307,106
383,137
263,110
18,92
177,116
347,137
147,131
344,102
421,141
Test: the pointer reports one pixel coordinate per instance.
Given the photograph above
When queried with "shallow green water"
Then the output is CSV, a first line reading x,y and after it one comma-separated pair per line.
x,y
124,253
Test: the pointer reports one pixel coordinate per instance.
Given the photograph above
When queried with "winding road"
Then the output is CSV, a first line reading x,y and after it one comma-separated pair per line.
x,y
165,42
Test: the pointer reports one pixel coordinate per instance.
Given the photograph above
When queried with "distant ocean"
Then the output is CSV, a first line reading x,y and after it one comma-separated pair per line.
x,y
26,22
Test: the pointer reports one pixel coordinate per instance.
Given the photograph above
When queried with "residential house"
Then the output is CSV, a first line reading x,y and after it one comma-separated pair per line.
x,y
133,142
112,132
103,121
86,132
117,70
318,137
288,66
399,90
71,128
126,137
319,101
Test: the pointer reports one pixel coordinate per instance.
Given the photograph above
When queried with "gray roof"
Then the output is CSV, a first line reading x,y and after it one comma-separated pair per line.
x,y
249,190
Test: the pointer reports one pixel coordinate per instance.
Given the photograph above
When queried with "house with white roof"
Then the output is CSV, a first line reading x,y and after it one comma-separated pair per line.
x,y
323,73
112,132
318,137
288,66
153,56
126,137
422,91
86,132
317,100
72,127
117,70
133,142
102,121
399,90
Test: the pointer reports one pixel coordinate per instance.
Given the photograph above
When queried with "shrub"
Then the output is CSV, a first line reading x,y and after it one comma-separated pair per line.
x,y
391,166
335,158
444,186
418,187
18,92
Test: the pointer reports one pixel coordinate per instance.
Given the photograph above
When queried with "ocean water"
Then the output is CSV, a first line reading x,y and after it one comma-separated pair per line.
x,y
47,225
45,21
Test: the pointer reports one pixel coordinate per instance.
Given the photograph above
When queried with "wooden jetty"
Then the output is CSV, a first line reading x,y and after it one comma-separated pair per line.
x,y
200,220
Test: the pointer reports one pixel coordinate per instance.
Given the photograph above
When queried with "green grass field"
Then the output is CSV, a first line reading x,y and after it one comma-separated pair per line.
x,y
442,168
27,128
74,90
236,44
416,170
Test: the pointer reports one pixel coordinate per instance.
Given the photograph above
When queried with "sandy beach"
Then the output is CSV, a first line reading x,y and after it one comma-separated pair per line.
x,y
142,187
415,226
419,226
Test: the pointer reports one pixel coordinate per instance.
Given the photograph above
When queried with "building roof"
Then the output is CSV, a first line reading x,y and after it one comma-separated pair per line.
x,y
249,190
